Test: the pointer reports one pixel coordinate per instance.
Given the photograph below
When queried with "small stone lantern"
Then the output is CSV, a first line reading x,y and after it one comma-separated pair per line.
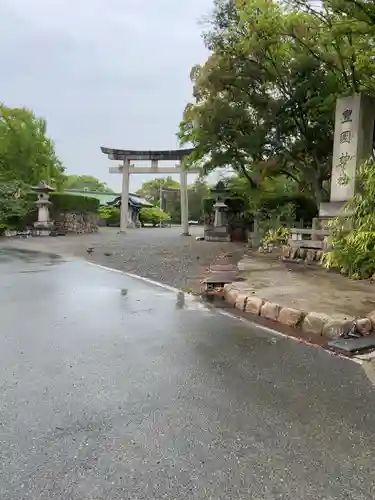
x,y
43,225
220,214
220,229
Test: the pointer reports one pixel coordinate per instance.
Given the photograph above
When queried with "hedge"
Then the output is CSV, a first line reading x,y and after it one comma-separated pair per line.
x,y
64,202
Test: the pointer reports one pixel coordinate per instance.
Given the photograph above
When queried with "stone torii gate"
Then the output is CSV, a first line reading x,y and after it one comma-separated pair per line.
x,y
154,156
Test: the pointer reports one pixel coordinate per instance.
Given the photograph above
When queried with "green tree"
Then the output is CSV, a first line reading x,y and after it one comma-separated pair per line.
x,y
150,190
171,199
197,192
340,34
27,154
264,101
86,183
362,10
15,204
171,196
152,215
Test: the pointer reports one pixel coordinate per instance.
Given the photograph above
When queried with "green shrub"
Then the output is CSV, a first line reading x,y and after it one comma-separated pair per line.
x,y
111,215
152,215
278,236
304,207
353,237
352,254
14,205
64,202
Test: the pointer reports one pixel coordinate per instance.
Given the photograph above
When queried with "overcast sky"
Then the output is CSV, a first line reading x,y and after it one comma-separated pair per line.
x,y
102,72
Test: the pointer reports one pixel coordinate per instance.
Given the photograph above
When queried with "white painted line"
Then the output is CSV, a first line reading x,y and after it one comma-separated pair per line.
x,y
135,276
222,312
245,320
152,282
370,356
289,337
358,361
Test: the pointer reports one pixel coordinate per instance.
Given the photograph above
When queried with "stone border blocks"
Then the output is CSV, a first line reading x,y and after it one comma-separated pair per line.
x,y
254,305
309,255
241,301
230,294
243,298
290,317
270,311
314,323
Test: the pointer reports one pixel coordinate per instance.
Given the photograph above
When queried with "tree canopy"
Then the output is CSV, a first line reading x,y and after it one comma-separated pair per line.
x,y
197,193
27,154
15,204
264,100
171,199
85,183
151,189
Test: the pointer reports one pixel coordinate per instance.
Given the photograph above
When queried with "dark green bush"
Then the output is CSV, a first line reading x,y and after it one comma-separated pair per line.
x,y
208,205
63,202
304,207
235,204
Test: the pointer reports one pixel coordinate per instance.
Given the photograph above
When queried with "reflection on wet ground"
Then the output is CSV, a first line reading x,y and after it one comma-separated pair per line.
x,y
19,257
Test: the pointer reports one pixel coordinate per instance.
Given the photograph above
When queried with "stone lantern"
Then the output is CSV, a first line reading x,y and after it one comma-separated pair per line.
x,y
220,229
220,214
43,225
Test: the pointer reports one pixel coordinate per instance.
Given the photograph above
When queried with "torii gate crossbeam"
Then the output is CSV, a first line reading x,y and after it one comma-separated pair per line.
x,y
154,156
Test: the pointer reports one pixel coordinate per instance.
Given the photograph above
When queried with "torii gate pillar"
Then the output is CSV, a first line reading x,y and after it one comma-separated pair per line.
x,y
124,196
184,203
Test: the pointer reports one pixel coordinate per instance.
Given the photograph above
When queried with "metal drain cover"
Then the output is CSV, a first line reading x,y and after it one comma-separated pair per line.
x,y
351,346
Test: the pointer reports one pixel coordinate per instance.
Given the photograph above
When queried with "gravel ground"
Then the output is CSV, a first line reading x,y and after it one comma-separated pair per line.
x,y
161,254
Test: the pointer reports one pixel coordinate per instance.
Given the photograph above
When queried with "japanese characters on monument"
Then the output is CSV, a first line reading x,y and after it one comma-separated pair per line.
x,y
345,139
347,125
353,140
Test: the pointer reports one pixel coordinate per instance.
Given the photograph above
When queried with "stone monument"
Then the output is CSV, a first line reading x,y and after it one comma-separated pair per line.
x,y
353,144
43,225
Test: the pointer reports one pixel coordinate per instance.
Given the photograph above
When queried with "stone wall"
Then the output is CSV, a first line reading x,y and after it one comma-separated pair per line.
x,y
77,222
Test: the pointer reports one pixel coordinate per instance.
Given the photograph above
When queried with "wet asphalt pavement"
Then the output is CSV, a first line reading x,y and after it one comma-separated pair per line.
x,y
122,395
160,254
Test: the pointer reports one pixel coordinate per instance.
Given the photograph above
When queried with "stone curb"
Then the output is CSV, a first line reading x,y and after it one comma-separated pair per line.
x,y
245,300
293,254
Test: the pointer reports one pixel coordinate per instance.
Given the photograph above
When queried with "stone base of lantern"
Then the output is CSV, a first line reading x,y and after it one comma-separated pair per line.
x,y
43,228
219,233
